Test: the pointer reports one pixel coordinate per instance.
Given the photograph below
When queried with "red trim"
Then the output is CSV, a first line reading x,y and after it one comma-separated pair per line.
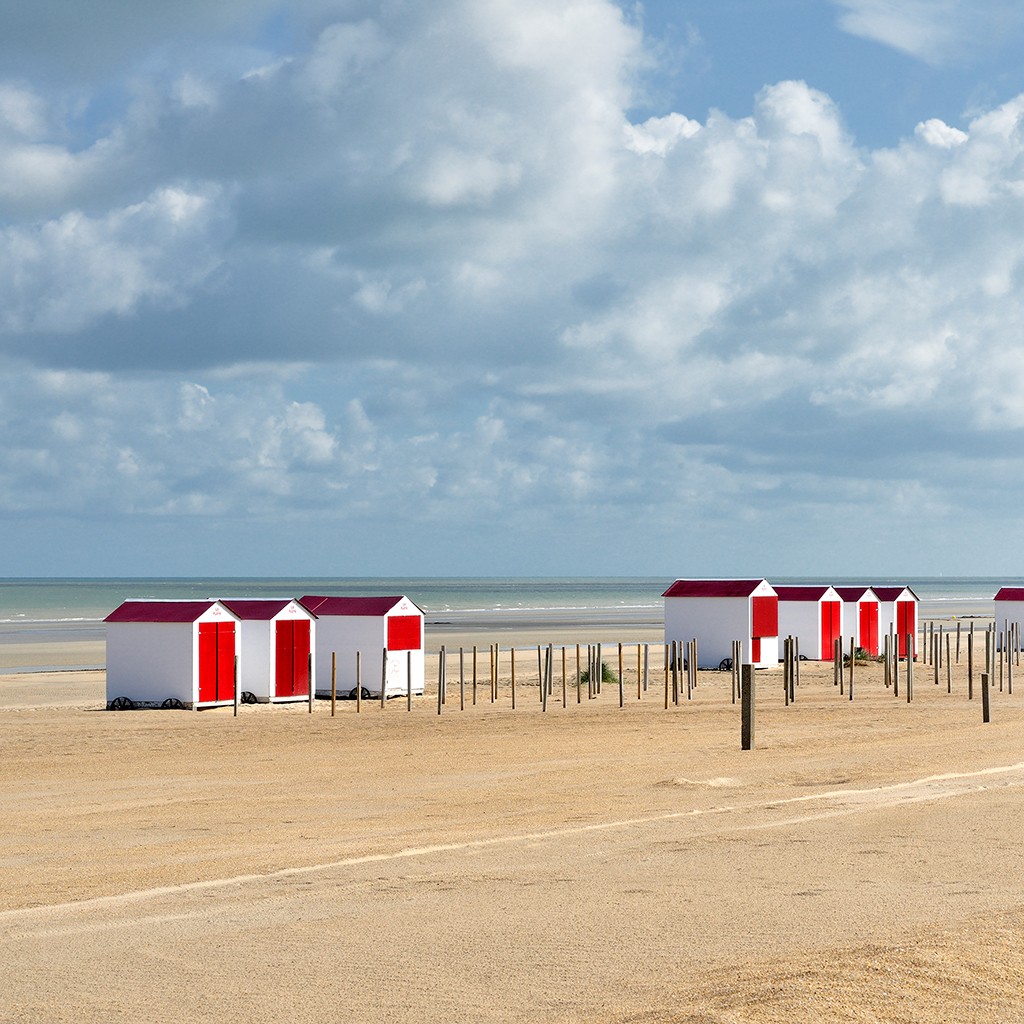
x,y
713,588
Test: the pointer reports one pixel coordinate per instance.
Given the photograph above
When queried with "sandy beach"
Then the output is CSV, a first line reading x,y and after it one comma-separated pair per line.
x,y
588,863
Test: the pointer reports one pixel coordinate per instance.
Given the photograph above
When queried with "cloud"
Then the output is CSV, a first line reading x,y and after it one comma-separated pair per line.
x,y
938,32
418,266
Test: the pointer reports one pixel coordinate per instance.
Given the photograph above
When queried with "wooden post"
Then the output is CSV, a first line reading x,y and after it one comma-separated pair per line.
x,y
853,658
408,680
935,657
238,691
495,654
359,683
785,670
839,664
334,678
309,676
733,669
949,669
564,690
910,667
600,671
512,655
474,675
970,663
540,679
543,681
383,676
985,715
639,670
958,643
666,677
440,678
894,651
462,681
747,709
579,693
796,660
622,692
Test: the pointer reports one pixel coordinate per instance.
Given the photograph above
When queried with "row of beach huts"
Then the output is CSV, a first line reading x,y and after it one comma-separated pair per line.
x,y
211,652
189,653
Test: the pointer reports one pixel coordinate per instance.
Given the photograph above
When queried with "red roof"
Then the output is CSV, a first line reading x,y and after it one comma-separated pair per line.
x,y
810,592
891,593
855,593
321,606
712,588
159,611
251,609
1010,594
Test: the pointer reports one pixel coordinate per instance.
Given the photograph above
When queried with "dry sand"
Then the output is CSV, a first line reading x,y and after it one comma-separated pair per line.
x,y
589,864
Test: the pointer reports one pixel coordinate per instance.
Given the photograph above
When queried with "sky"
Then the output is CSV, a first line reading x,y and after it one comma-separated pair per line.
x,y
511,287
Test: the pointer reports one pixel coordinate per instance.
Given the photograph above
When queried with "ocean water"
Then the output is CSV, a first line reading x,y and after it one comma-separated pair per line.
x,y
83,603
47,611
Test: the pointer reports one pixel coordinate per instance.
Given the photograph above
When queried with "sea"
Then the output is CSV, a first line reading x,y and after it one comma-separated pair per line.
x,y
56,610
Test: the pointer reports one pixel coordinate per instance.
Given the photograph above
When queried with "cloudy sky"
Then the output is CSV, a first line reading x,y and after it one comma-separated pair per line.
x,y
561,287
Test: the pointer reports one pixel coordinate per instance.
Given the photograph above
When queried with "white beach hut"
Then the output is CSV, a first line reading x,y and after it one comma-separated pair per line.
x,y
897,613
814,615
860,617
1008,605
276,643
386,631
717,612
171,653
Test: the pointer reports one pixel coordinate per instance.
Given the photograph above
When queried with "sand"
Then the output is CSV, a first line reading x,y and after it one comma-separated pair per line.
x,y
589,864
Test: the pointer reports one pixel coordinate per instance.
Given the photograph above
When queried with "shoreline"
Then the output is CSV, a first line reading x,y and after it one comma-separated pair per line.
x,y
32,647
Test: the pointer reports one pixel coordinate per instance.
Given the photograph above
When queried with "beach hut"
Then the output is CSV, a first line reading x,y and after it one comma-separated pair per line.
x,y
814,615
386,631
717,612
276,642
860,617
171,654
897,613
1009,608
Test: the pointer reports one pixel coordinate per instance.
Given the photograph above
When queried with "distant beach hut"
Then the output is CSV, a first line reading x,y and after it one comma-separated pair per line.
x,y
897,613
717,612
276,642
171,653
370,626
860,617
813,614
1009,606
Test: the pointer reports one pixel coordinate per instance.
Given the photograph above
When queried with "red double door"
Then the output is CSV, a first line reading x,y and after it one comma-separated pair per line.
x,y
906,623
292,658
831,627
216,661
868,627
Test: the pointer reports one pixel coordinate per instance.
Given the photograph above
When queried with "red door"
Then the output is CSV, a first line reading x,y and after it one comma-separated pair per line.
x,y
216,661
404,633
906,623
869,627
831,627
292,658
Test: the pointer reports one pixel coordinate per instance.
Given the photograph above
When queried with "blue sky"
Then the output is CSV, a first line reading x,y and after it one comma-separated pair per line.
x,y
351,288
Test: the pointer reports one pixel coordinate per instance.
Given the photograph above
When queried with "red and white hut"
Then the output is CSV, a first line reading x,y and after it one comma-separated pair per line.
x,y
276,641
860,617
171,653
387,632
897,613
814,615
717,612
1009,607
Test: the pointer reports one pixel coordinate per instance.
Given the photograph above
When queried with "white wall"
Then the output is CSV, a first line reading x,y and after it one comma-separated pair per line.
x,y
256,661
151,661
367,634
715,622
802,619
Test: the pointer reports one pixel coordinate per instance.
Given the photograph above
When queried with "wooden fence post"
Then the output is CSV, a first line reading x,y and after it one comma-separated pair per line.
x,y
747,709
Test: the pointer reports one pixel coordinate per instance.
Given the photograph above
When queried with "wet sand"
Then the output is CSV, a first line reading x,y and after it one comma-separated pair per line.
x,y
582,864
